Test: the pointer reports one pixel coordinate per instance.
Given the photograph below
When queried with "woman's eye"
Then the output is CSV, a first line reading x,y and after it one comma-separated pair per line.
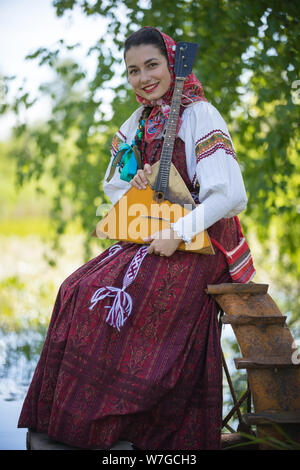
x,y
153,64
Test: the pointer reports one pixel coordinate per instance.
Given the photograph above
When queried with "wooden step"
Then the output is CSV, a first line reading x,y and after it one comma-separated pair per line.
x,y
265,363
41,441
237,288
253,320
279,417
268,350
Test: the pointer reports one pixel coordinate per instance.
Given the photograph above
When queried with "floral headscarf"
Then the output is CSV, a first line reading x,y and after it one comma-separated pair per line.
x,y
192,92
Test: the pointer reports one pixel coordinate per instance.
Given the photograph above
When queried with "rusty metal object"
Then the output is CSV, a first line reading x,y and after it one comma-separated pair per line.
x,y
267,348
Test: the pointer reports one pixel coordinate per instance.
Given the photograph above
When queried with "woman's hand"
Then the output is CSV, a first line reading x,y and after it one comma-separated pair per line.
x,y
139,181
163,243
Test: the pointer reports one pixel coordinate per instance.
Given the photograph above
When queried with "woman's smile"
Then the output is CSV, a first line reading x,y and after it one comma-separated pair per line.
x,y
150,88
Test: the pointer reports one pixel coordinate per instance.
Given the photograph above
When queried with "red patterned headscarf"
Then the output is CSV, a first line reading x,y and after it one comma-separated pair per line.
x,y
192,92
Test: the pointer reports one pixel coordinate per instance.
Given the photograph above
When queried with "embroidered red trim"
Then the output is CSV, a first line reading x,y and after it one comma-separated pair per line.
x,y
239,260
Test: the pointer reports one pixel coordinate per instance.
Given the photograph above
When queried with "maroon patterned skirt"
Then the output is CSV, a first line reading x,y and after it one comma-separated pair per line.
x,y
157,381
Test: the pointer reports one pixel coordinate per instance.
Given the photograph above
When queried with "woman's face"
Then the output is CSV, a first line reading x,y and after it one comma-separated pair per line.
x,y
148,71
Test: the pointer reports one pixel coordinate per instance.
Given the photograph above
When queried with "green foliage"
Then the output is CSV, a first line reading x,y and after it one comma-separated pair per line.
x,y
249,65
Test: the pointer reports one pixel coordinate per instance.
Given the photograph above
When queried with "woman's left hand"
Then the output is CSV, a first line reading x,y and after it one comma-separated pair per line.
x,y
163,243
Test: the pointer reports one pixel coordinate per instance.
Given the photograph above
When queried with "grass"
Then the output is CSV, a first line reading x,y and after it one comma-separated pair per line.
x,y
33,225
28,284
282,441
25,226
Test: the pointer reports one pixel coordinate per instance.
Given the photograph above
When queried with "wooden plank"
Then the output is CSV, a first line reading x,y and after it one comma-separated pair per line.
x,y
269,362
41,441
283,417
233,439
253,320
237,288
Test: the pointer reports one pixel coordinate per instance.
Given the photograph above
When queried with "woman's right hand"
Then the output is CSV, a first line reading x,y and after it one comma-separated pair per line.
x,y
139,181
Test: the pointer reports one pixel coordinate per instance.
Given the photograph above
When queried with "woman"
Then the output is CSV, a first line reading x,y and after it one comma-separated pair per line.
x,y
153,377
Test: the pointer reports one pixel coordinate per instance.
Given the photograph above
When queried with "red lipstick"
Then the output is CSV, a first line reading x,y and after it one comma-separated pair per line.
x,y
150,88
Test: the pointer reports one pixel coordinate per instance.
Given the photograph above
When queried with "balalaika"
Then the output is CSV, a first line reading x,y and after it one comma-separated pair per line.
x,y
141,212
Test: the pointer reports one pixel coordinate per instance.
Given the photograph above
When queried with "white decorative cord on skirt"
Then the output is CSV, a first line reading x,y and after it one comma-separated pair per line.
x,y
122,304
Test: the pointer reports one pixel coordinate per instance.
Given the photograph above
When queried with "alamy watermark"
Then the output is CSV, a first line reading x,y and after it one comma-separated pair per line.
x,y
295,356
296,92
127,220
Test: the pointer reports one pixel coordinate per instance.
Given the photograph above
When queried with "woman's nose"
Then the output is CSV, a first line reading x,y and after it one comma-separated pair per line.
x,y
144,77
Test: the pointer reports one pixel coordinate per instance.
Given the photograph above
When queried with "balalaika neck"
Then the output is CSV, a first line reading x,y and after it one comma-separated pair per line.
x,y
162,180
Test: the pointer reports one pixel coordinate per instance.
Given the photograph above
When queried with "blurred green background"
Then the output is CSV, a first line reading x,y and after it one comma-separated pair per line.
x,y
56,127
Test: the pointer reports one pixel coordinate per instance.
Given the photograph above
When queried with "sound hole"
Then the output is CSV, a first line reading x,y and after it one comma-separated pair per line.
x,y
159,196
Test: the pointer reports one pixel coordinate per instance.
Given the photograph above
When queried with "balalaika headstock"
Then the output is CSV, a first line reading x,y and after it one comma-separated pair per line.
x,y
185,58
184,61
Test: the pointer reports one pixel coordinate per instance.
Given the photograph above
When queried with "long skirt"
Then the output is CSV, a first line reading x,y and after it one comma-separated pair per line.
x,y
156,381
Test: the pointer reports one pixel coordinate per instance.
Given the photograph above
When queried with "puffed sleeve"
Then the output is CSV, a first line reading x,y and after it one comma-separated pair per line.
x,y
115,187
212,163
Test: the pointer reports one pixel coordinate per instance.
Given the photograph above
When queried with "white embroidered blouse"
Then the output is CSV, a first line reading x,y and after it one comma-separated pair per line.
x,y
211,161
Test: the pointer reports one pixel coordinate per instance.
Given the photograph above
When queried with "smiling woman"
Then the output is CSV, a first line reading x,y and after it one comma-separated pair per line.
x,y
148,71
133,348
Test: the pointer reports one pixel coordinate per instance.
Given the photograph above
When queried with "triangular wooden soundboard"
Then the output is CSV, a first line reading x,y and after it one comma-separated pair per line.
x,y
136,215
